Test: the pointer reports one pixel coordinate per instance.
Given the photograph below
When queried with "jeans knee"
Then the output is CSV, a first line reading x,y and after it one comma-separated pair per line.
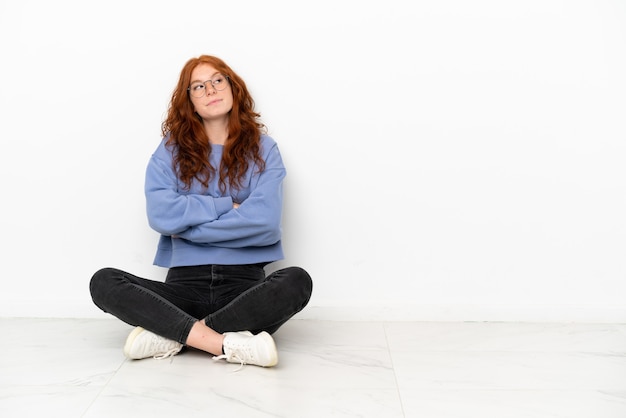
x,y
99,284
304,282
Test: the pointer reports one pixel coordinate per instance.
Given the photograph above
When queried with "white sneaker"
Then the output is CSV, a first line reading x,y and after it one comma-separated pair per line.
x,y
143,344
245,348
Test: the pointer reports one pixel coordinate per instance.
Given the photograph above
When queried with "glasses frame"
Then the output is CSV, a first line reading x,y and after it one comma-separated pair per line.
x,y
206,88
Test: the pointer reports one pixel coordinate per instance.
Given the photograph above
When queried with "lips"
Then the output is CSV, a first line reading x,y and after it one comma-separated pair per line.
x,y
212,102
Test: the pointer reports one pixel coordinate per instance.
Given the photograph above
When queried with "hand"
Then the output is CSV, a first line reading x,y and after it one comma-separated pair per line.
x,y
235,205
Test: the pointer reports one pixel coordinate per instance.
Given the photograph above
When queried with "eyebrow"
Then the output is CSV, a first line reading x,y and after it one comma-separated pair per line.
x,y
200,81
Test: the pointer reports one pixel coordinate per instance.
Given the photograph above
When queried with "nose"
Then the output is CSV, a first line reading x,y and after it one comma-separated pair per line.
x,y
209,88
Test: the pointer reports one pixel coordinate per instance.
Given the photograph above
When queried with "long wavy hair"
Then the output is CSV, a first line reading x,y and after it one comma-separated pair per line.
x,y
188,136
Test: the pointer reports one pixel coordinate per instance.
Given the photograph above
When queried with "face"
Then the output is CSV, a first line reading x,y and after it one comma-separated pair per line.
x,y
212,104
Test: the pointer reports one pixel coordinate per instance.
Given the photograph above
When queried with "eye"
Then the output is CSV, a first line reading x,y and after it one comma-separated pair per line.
x,y
218,80
197,87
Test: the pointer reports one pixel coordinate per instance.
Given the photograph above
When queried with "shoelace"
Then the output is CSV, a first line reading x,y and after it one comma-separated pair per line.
x,y
172,352
161,344
233,356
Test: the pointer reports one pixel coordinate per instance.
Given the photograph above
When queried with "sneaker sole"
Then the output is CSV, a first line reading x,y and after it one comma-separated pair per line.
x,y
130,340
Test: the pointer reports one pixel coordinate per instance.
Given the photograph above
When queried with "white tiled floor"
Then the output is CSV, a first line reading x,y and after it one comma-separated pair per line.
x,y
75,368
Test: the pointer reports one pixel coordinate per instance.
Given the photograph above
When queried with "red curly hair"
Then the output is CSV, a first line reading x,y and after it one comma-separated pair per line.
x,y
188,136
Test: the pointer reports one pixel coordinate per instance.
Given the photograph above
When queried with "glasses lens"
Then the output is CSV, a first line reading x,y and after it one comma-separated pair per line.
x,y
219,82
197,89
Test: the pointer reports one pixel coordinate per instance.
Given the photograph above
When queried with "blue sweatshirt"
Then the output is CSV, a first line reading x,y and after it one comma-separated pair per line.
x,y
200,226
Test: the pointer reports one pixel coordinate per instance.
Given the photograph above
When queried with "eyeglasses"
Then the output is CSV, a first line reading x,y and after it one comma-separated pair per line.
x,y
199,89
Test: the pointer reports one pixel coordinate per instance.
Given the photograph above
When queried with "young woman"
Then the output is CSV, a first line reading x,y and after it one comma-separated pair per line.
x,y
214,192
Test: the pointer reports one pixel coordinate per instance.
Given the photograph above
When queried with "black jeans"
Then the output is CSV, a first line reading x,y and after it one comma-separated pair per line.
x,y
228,298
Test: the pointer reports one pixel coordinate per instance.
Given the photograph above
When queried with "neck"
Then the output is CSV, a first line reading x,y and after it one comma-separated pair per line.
x,y
217,132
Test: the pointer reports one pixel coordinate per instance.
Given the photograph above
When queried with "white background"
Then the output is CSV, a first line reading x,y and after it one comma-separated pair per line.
x,y
447,160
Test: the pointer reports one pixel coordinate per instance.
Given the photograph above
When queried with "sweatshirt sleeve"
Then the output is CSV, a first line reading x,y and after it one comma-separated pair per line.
x,y
171,212
257,221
